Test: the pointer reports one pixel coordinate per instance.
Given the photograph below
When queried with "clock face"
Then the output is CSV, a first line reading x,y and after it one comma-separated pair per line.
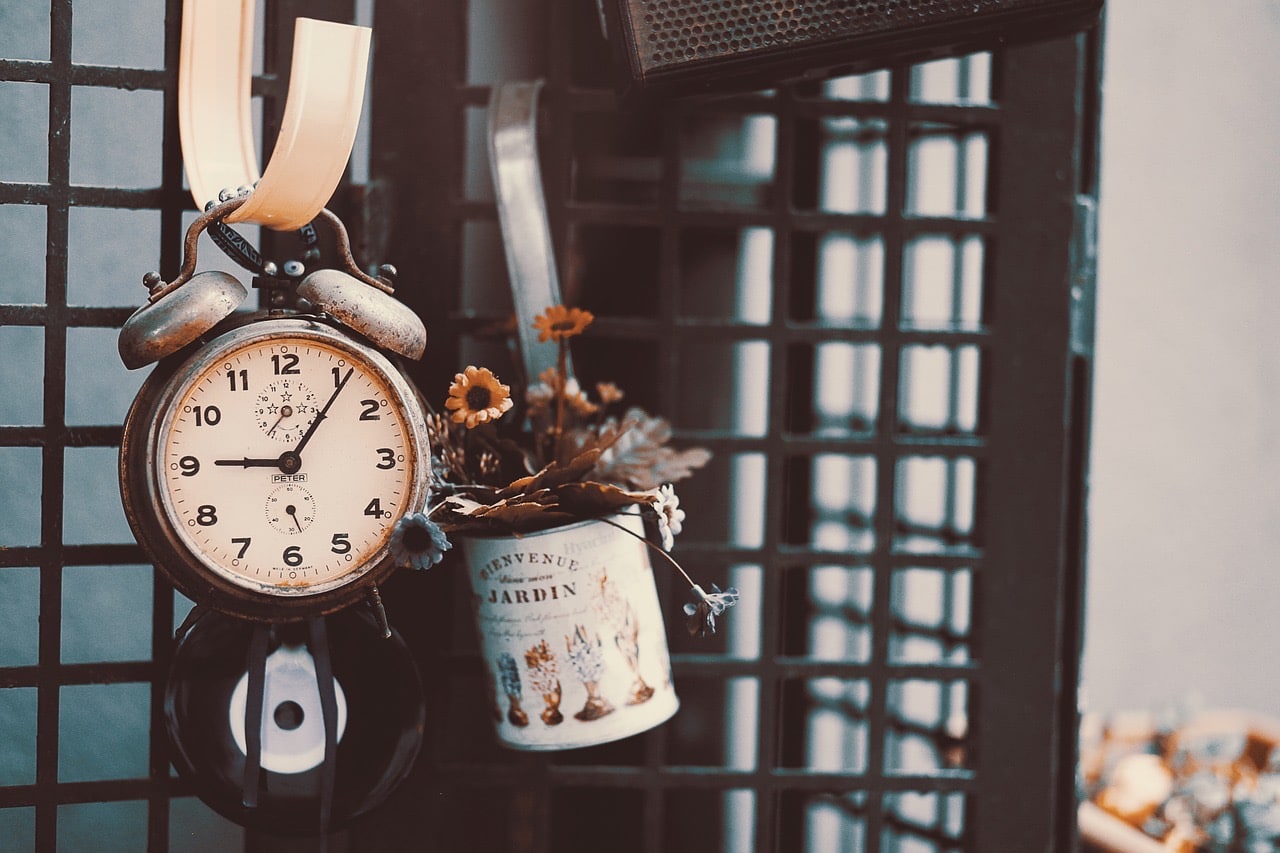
x,y
282,461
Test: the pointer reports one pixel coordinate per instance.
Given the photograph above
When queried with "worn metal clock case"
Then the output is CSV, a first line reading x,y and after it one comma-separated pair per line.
x,y
267,458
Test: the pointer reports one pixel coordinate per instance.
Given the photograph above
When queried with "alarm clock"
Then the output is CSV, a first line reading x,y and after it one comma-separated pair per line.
x,y
267,458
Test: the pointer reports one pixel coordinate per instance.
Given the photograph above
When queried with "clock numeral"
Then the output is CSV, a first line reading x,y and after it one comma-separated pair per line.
x,y
388,458
292,556
341,543
285,365
207,415
370,412
239,380
243,542
374,508
206,515
190,466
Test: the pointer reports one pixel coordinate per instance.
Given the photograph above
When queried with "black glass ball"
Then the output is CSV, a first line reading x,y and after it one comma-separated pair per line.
x,y
381,717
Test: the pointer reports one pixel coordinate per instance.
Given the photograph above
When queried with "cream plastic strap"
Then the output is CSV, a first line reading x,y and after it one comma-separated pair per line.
x,y
322,110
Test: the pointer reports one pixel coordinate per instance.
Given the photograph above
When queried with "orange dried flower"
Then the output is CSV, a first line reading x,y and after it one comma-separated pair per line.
x,y
609,393
476,397
561,323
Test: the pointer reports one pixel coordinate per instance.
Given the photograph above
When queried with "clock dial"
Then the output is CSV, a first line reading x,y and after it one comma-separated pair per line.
x,y
283,461
284,408
291,509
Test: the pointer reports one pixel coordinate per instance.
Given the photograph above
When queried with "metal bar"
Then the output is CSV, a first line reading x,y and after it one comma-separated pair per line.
x,y
1021,591
785,332
886,465
677,777
52,71
618,213
38,315
785,667
74,555
135,199
173,200
84,673
1080,384
53,471
667,298
767,675
417,134
66,793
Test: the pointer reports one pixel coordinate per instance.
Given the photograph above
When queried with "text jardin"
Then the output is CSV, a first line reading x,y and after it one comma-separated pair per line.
x,y
534,595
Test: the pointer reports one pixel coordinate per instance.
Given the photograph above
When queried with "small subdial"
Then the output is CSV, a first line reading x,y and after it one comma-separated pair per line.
x,y
284,409
291,509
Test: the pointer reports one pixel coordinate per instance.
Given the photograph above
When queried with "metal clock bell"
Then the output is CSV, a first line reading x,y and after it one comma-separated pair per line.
x,y
267,458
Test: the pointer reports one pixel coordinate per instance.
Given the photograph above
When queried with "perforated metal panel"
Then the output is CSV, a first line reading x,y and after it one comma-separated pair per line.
x,y
701,45
869,297
671,31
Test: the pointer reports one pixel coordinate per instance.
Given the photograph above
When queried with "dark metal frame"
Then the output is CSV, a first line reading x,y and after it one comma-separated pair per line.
x,y
1036,348
1026,558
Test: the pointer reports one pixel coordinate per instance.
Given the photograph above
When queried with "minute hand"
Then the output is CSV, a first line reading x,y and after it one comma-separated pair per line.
x,y
311,430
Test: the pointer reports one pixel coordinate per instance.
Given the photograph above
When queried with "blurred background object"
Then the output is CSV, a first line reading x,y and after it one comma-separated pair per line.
x,y
1184,522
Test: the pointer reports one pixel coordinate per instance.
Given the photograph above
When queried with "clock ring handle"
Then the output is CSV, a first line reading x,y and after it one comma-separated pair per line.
x,y
386,273
158,288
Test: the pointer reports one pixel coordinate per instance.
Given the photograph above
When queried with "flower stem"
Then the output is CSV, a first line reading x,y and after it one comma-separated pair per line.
x,y
457,487
432,511
653,547
562,369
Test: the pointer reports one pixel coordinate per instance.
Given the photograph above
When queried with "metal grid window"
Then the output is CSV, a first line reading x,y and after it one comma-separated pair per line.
x,y
867,296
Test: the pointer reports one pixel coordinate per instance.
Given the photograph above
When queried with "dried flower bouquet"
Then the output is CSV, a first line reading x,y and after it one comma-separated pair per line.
x,y
579,456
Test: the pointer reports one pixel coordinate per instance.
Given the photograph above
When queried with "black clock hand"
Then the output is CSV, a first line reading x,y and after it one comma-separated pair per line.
x,y
311,430
249,463
285,412
290,462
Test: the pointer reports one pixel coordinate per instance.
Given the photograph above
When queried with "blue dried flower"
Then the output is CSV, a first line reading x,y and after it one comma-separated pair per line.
x,y
701,614
417,542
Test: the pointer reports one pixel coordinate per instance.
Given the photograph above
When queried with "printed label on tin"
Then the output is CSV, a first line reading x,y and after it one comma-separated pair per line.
x,y
572,634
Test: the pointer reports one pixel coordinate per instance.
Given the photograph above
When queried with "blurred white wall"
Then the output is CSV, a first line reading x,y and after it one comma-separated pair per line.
x,y
1184,556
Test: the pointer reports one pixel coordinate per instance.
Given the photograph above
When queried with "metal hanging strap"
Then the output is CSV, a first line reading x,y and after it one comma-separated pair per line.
x,y
256,712
522,213
256,664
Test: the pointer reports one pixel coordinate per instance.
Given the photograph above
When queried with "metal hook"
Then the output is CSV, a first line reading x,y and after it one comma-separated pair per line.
x,y
158,288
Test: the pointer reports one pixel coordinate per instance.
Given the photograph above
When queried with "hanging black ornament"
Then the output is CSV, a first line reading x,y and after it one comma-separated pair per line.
x,y
318,757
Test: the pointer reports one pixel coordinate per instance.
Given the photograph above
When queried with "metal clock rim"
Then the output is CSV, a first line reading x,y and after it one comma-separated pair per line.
x,y
152,522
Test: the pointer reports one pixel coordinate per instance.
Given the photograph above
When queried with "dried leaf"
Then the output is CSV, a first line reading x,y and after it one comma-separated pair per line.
x,y
509,519
463,506
601,437
553,475
597,498
639,459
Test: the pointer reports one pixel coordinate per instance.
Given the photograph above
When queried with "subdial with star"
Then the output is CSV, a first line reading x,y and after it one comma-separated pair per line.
x,y
284,409
291,509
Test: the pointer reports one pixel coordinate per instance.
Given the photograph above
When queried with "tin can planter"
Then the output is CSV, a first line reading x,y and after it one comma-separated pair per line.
x,y
572,633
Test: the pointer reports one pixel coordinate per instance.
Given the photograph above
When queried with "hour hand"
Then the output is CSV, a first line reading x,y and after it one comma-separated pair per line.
x,y
246,462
